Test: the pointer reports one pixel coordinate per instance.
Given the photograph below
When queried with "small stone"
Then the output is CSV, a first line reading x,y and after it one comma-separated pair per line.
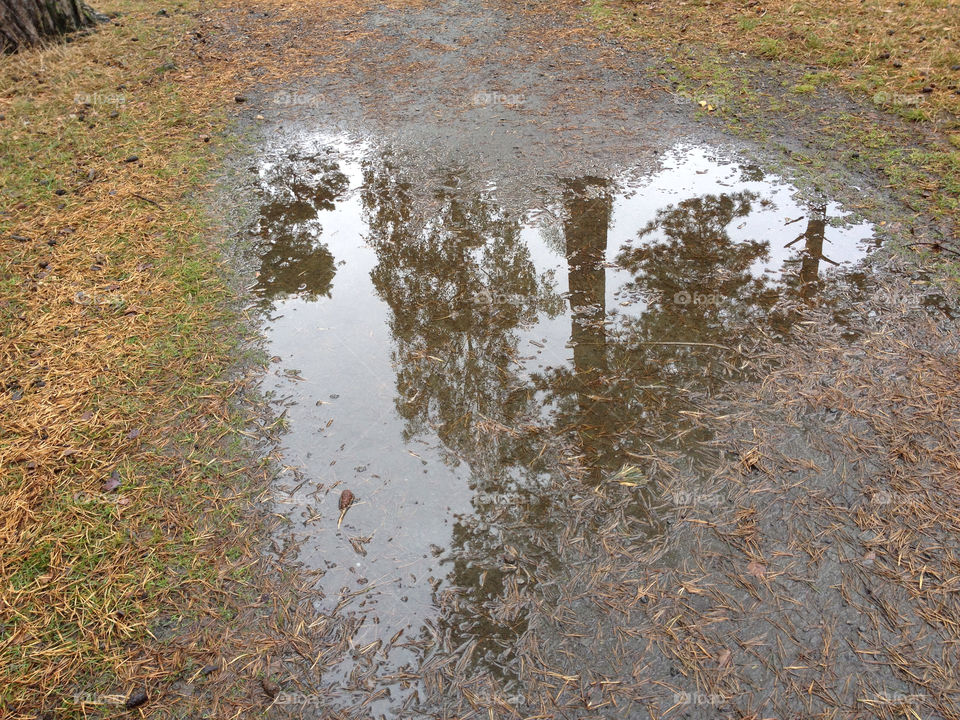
x,y
132,158
59,191
239,98
270,687
137,698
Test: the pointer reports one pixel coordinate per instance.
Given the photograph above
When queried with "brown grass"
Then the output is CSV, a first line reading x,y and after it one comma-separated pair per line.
x,y
126,480
898,61
904,51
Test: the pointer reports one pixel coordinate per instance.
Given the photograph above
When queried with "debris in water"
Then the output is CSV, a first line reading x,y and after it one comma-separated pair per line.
x,y
346,500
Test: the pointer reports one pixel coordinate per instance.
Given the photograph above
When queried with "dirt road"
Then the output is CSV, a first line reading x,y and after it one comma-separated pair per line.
x,y
641,422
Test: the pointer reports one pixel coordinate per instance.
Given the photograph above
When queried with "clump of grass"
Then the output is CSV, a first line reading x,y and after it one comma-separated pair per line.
x,y
771,48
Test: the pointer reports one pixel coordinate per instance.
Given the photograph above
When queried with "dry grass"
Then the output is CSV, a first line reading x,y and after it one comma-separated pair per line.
x,y
906,52
126,482
894,58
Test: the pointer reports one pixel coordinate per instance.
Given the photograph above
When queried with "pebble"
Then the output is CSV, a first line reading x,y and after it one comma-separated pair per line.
x,y
137,698
270,687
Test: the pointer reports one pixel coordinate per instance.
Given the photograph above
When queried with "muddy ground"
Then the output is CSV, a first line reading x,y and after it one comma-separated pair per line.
x,y
640,420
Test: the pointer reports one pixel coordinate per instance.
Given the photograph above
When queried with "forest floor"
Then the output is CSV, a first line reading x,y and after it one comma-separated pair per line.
x,y
134,522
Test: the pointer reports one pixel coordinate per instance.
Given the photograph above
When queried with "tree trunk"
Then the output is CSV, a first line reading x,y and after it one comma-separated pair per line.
x,y
26,22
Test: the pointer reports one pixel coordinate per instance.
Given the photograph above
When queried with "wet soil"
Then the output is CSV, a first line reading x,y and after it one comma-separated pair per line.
x,y
514,294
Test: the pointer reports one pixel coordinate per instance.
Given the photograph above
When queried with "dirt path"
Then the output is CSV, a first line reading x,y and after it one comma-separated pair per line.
x,y
557,514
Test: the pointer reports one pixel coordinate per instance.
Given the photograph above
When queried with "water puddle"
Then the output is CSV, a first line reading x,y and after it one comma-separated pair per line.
x,y
512,394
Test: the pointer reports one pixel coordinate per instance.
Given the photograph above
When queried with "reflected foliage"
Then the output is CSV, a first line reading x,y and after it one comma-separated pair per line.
x,y
542,445
459,282
295,190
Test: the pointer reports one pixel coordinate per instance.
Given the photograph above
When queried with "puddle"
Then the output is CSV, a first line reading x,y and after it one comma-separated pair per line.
x,y
505,389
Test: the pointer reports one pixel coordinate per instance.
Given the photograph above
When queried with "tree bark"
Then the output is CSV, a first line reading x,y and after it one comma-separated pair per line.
x,y
27,22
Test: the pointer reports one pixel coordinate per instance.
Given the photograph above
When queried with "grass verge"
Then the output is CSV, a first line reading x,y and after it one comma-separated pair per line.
x,y
124,479
881,79
131,563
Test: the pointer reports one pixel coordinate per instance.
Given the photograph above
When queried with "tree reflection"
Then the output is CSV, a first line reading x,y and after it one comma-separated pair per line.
x,y
462,287
295,190
696,280
803,273
460,283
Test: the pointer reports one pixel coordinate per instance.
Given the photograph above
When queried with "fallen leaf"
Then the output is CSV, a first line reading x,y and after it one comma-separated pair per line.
x,y
758,570
724,658
113,483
